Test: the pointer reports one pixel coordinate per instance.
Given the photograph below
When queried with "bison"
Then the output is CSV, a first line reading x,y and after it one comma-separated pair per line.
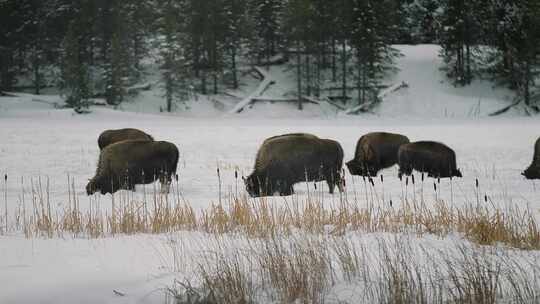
x,y
108,137
287,159
126,163
375,151
533,171
434,158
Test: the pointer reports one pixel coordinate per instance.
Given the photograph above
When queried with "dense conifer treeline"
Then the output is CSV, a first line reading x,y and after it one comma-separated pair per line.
x,y
338,49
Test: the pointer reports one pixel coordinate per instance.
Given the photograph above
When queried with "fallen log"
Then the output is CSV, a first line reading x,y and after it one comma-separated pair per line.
x,y
6,94
367,106
292,100
138,88
382,86
331,102
263,86
517,102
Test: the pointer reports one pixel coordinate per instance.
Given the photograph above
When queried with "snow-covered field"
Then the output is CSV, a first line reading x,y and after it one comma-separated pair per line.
x,y
38,141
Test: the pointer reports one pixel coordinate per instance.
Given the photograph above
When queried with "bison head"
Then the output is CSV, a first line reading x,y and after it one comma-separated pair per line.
x,y
355,168
531,173
457,173
91,187
94,186
360,168
252,186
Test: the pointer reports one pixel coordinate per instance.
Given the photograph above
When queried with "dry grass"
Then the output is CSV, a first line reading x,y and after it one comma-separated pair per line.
x,y
485,224
227,279
306,268
296,271
296,251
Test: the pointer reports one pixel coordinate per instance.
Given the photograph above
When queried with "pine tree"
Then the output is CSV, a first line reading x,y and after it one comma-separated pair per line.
x,y
235,23
345,39
75,74
417,20
116,72
297,23
522,44
373,29
458,38
12,19
266,38
173,63
118,62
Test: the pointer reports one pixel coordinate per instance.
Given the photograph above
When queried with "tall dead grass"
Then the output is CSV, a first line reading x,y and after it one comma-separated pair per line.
x,y
485,224
307,268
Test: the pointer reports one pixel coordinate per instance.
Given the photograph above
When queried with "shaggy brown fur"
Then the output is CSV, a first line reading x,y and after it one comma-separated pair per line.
x,y
533,171
287,159
436,159
375,151
126,163
108,137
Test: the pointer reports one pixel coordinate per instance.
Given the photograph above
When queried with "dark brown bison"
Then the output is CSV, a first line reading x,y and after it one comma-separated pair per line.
x,y
108,137
533,171
126,163
287,159
375,151
434,158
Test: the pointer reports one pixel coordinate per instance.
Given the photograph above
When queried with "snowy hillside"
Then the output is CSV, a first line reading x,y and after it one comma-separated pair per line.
x,y
429,94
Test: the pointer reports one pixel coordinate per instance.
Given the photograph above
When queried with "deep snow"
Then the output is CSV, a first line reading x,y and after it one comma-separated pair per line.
x,y
41,141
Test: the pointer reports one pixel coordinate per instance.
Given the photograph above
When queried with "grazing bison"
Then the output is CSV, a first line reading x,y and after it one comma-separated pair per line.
x,y
108,137
126,163
533,171
436,159
287,159
375,151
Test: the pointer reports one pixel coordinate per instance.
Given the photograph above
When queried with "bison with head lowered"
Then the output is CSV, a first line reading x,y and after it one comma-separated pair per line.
x,y
434,158
375,151
126,163
287,159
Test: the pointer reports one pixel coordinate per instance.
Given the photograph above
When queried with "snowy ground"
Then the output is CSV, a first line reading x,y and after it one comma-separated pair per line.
x,y
39,141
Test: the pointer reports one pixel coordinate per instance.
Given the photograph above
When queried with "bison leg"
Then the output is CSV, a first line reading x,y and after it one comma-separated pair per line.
x,y
406,169
286,191
285,188
332,182
333,179
165,180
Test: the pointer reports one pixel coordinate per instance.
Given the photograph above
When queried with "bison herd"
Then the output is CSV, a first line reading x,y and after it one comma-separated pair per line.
x,y
130,156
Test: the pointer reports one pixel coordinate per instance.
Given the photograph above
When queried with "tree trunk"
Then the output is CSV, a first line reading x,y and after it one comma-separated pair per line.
x,y
267,53
233,68
36,69
308,74
136,50
468,62
169,90
344,71
37,79
527,83
203,83
299,76
320,62
215,78
334,67
360,81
